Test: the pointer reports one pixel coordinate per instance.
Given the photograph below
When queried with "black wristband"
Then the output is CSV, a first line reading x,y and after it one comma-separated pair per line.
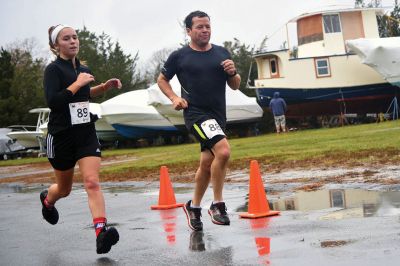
x,y
234,74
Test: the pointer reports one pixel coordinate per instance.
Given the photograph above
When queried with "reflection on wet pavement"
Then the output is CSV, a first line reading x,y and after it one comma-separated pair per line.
x,y
197,241
263,245
168,218
262,241
348,203
308,231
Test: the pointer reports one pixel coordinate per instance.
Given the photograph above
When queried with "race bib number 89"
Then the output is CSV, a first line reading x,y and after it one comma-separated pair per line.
x,y
79,113
211,128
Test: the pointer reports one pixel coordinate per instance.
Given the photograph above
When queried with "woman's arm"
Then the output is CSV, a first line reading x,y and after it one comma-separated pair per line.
x,y
103,87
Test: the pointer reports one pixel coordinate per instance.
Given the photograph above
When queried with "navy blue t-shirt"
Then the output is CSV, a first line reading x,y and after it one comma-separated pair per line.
x,y
203,82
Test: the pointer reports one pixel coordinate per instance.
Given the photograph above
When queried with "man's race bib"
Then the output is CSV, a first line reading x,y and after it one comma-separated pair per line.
x,y
211,128
79,113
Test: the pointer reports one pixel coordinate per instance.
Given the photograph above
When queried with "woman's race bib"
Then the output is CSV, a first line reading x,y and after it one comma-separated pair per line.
x,y
79,113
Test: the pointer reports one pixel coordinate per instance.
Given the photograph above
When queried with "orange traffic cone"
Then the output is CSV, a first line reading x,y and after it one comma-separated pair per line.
x,y
258,203
166,197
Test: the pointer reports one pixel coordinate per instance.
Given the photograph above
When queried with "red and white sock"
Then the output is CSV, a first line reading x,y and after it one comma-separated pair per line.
x,y
48,204
99,224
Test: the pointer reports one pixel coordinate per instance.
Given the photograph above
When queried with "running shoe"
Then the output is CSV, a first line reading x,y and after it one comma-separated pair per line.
x,y
218,213
49,214
106,238
193,217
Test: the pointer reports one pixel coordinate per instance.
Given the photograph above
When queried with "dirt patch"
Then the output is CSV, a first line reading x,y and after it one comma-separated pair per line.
x,y
372,166
334,243
311,187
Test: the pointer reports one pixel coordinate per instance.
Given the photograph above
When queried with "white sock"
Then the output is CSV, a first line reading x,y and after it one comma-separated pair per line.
x,y
194,206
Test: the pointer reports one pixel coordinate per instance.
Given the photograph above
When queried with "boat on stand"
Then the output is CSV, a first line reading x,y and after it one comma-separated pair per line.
x,y
383,55
242,112
105,132
31,137
323,76
131,116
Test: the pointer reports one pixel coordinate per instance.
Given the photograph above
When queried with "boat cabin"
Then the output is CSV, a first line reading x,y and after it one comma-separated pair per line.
x,y
320,76
320,35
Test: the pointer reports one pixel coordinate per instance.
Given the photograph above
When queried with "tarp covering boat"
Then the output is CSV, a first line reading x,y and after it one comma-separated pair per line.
x,y
382,54
132,117
239,107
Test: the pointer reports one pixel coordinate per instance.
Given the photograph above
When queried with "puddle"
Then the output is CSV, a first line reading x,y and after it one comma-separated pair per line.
x,y
122,189
142,187
109,187
20,188
340,203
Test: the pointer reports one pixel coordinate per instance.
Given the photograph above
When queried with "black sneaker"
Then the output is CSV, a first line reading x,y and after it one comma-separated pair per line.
x,y
196,241
193,217
218,213
50,215
107,238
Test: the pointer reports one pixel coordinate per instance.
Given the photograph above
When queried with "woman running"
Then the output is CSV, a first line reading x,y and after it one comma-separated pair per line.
x,y
71,134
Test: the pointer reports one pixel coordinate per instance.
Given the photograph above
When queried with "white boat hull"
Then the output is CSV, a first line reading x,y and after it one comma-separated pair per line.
x,y
28,139
104,131
132,117
239,107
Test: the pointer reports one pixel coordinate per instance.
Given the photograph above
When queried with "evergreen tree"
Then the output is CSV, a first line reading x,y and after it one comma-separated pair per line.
x,y
21,86
394,20
107,60
6,74
27,85
6,77
244,62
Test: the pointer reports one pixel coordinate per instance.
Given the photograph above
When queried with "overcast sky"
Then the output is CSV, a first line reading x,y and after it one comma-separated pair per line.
x,y
146,26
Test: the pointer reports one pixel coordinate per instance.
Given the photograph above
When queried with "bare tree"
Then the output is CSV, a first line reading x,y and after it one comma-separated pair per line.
x,y
155,63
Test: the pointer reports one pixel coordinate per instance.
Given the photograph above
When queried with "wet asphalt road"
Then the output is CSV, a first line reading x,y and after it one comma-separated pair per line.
x,y
151,237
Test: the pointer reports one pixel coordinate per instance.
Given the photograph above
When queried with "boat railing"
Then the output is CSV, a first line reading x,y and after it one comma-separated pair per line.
x,y
22,128
43,117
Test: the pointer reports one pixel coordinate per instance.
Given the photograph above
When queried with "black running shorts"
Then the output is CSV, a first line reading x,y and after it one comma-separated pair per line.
x,y
65,148
208,132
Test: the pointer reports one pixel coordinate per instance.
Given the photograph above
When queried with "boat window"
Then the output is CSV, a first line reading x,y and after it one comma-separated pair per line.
x,y
273,66
322,67
337,198
331,23
309,29
289,204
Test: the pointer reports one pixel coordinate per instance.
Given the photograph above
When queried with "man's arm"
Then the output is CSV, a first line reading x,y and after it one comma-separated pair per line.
x,y
234,82
230,70
178,102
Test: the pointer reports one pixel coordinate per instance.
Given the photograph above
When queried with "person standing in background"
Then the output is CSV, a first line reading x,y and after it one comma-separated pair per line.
x,y
278,108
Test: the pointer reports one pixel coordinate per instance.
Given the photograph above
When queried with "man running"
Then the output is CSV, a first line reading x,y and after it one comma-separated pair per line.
x,y
203,69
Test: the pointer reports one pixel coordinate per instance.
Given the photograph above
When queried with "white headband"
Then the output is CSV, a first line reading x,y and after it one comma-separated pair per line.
x,y
56,31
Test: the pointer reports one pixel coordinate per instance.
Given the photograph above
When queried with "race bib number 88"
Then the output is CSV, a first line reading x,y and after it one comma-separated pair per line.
x,y
211,128
79,113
